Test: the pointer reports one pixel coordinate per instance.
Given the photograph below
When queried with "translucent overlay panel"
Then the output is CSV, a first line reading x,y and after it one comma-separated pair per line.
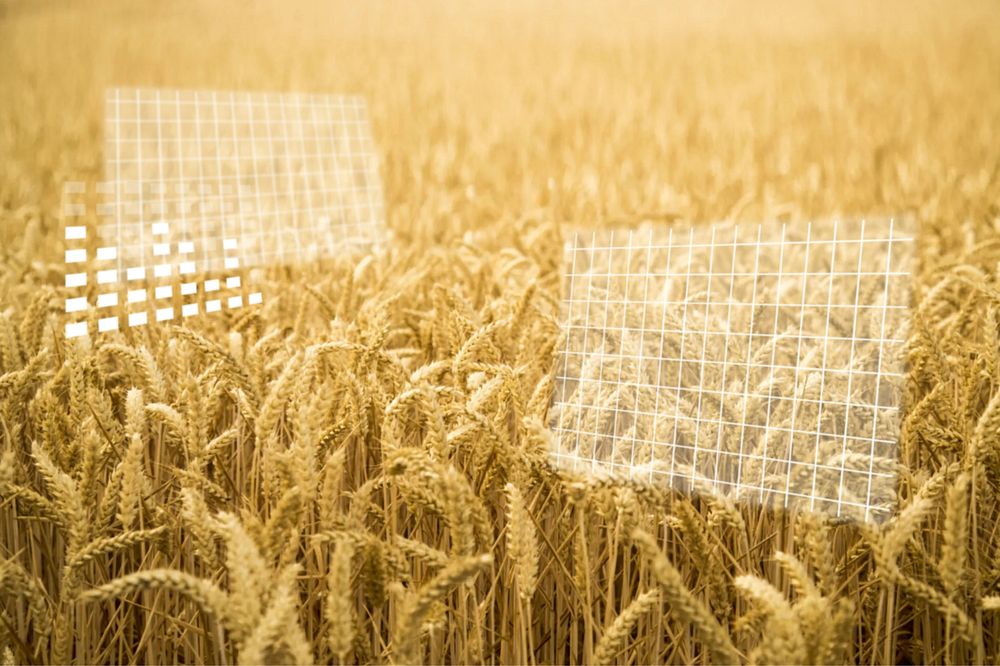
x,y
761,362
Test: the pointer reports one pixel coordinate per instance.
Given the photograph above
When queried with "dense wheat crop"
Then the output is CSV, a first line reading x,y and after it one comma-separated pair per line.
x,y
356,471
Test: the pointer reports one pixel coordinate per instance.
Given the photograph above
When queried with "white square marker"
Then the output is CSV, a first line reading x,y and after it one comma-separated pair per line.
x,y
161,270
213,305
229,244
185,247
232,263
189,288
76,304
160,228
107,300
76,256
107,253
76,233
256,298
137,296
233,282
235,301
186,268
189,309
164,314
109,276
76,279
161,249
165,291
76,329
211,285
107,324
137,319
136,273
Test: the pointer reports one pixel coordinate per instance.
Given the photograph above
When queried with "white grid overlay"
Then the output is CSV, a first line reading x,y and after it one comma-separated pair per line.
x,y
761,362
294,177
204,185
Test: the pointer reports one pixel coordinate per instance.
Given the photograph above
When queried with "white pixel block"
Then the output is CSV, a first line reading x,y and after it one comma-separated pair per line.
x,y
76,256
107,300
76,304
76,329
76,279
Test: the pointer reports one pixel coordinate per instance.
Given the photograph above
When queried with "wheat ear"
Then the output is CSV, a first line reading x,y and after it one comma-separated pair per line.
x,y
676,593
617,634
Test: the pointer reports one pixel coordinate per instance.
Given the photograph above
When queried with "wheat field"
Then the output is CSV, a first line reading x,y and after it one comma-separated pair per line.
x,y
357,471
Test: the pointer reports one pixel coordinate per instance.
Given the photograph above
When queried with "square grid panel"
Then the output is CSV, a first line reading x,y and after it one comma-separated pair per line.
x,y
760,362
294,177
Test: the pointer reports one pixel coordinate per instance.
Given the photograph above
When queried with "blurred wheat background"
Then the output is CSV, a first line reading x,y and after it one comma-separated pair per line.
x,y
356,471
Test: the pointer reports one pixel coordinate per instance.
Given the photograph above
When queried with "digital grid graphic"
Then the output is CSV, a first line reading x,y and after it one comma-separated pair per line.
x,y
760,362
293,176
203,185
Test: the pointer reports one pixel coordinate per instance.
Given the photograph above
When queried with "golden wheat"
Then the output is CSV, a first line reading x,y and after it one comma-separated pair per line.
x,y
357,471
